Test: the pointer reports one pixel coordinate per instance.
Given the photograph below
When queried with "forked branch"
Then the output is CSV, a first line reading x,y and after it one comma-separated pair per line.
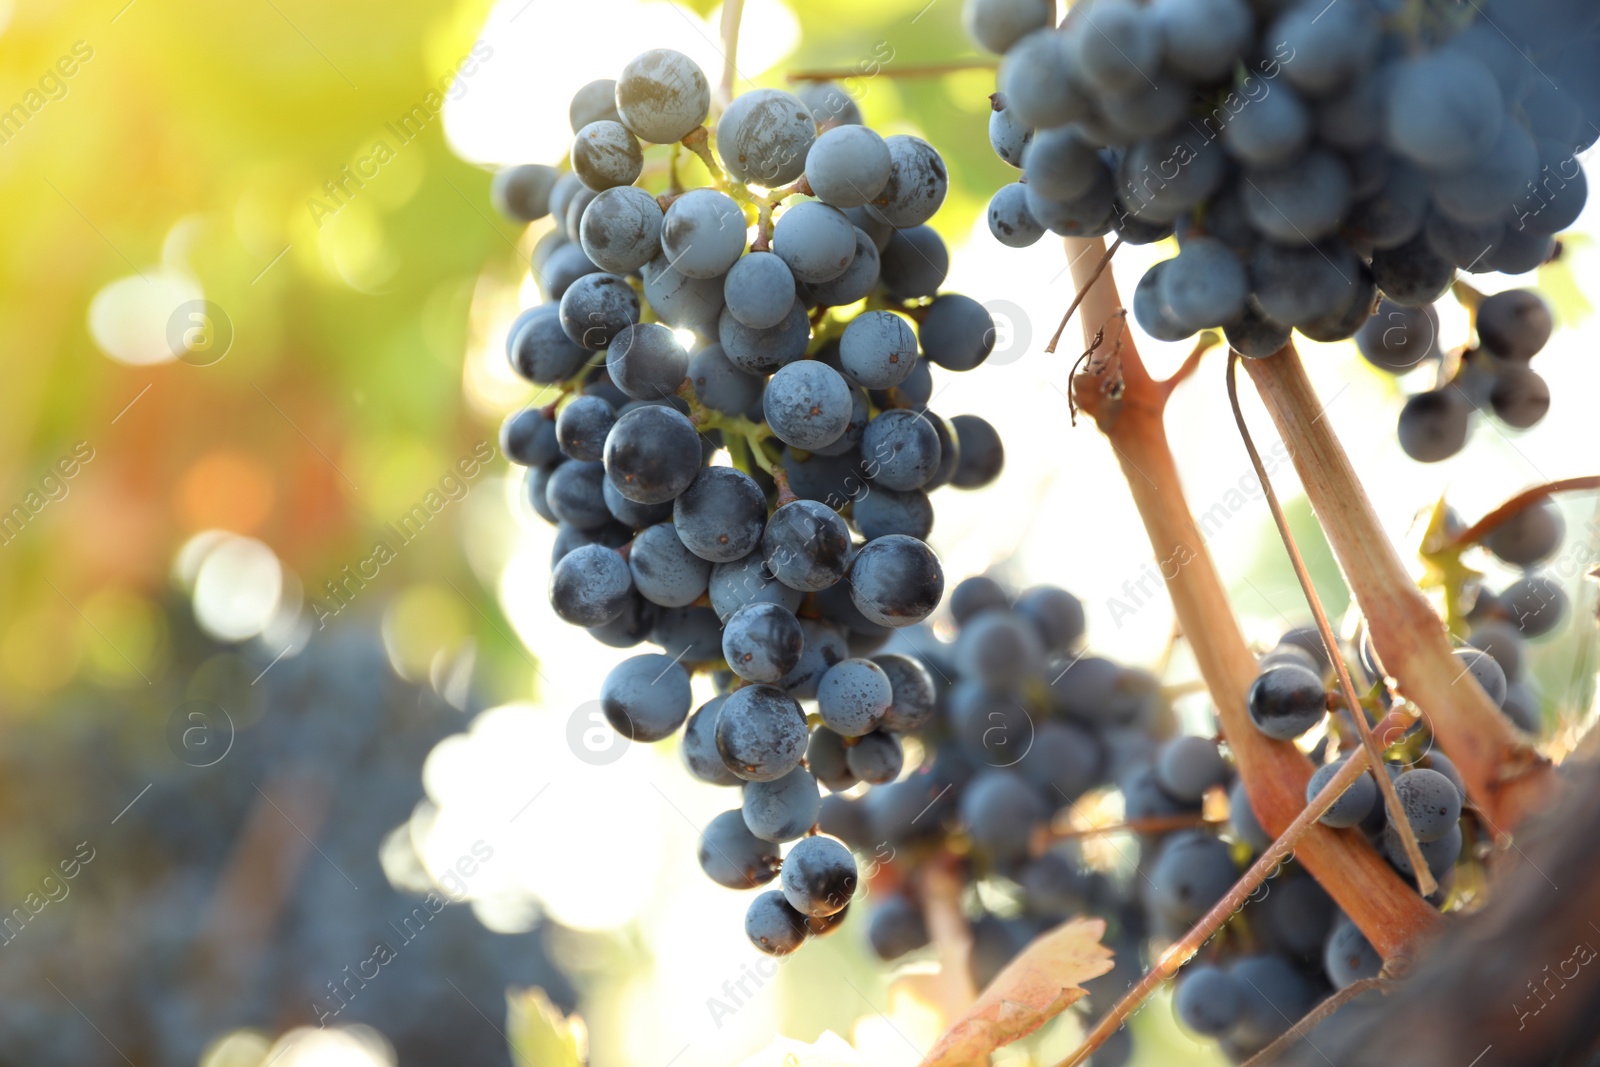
x,y
1275,773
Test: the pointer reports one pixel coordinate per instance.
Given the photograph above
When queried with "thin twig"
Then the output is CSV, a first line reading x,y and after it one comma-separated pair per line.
x,y
1205,343
732,11
927,70
1083,290
1521,502
1300,1029
1155,824
1185,948
1391,799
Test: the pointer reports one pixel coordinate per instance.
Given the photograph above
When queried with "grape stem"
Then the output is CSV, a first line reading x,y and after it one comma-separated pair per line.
x,y
1275,773
732,12
1391,799
1181,951
1504,775
927,70
1520,503
1154,824
941,882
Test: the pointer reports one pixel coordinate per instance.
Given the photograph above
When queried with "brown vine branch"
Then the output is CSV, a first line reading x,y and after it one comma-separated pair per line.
x,y
941,884
927,70
1275,773
1206,342
1083,290
1503,774
1521,502
1391,799
1185,947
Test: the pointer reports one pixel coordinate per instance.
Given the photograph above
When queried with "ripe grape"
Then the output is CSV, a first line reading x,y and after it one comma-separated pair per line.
x,y
853,697
762,642
523,192
734,857
1285,701
590,585
662,96
646,698
761,733
763,137
957,332
1353,805
605,154
759,290
652,454
784,809
818,876
621,229
703,233
847,166
876,759
807,405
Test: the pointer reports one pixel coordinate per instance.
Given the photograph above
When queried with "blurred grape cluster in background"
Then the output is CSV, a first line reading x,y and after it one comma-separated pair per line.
x,y
289,733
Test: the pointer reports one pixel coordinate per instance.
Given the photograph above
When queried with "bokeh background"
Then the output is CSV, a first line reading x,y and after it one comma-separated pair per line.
x,y
188,188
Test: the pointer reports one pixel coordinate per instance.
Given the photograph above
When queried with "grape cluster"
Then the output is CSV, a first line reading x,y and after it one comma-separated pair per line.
x,y
786,316
169,936
1291,945
1031,733
1492,377
673,336
1307,158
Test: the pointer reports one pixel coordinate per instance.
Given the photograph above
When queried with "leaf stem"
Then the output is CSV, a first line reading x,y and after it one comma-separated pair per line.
x,y
1521,502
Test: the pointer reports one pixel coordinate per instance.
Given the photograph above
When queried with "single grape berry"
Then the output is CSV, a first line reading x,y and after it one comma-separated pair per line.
x,y
818,876
646,698
853,697
1353,805
1208,1000
1431,801
1286,701
590,586
734,857
783,809
761,733
773,925
762,642
1481,667
876,758
896,581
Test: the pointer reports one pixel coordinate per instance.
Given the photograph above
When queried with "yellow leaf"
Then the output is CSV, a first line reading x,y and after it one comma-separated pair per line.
x,y
540,1036
830,1050
1033,989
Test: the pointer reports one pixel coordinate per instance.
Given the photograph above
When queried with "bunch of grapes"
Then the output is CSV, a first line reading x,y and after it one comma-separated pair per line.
x,y
1032,735
1309,158
183,922
785,317
1493,377
1029,729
